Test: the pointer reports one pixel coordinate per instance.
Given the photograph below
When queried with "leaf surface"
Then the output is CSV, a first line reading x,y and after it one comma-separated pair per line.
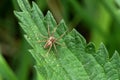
x,y
75,60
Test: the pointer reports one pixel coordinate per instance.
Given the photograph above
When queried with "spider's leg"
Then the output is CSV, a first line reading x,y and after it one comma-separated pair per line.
x,y
39,41
58,43
54,30
48,31
61,36
55,48
63,45
49,49
43,36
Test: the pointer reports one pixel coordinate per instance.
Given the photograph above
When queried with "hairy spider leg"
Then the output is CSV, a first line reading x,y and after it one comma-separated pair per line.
x,y
43,36
54,30
58,43
48,31
61,36
55,47
49,49
42,41
39,41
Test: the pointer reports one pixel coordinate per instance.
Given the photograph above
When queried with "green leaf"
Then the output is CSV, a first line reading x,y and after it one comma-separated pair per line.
x,y
112,9
115,60
74,60
6,72
102,55
117,2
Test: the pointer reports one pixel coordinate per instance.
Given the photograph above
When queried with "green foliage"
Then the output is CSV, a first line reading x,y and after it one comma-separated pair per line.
x,y
102,19
5,72
76,60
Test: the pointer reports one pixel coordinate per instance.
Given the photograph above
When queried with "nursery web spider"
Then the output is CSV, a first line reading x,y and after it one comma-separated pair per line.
x,y
51,40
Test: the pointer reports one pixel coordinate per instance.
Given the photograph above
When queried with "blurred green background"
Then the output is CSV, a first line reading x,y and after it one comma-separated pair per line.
x,y
97,20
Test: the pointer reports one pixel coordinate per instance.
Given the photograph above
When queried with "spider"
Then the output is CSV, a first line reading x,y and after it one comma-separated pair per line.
x,y
51,40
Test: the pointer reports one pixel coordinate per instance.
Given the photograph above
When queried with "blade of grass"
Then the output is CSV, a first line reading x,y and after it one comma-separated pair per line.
x,y
5,70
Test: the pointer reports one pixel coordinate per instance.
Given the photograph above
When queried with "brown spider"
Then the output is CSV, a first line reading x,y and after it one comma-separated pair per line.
x,y
51,40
